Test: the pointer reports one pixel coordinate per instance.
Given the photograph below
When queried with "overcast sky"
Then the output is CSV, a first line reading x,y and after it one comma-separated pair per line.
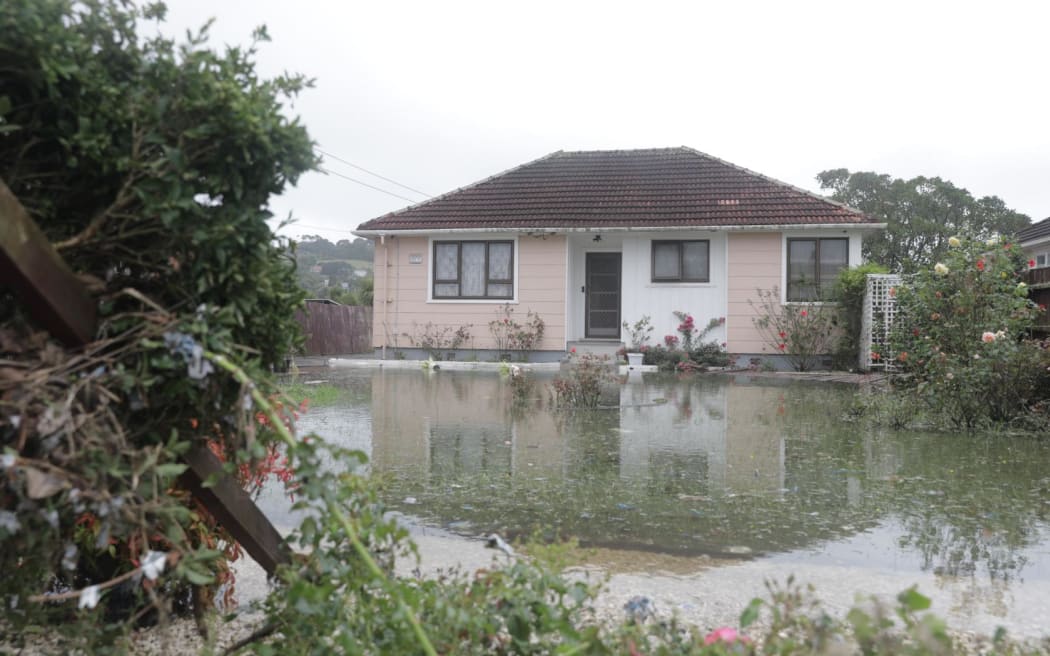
x,y
436,95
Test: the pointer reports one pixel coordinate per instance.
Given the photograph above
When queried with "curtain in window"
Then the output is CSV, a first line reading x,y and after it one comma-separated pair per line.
x,y
666,263
694,260
473,282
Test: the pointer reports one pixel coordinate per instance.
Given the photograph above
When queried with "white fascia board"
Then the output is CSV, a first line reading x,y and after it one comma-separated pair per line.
x,y
561,231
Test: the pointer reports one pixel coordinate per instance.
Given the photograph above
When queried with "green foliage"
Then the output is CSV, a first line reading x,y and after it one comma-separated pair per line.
x,y
920,213
850,289
327,270
960,339
149,165
800,331
639,332
690,353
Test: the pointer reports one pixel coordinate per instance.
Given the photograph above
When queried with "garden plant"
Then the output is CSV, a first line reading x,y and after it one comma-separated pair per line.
x,y
687,351
962,341
802,332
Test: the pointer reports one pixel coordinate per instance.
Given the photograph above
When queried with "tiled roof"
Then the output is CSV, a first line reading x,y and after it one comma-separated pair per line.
x,y
1034,231
657,188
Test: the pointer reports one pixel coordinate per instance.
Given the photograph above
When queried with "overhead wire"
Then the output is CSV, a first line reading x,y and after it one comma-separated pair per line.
x,y
365,184
372,173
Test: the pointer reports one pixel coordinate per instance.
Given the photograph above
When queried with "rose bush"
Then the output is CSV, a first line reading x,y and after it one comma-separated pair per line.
x,y
962,338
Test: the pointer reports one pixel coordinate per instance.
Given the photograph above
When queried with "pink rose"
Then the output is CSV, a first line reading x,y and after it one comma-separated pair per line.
x,y
725,634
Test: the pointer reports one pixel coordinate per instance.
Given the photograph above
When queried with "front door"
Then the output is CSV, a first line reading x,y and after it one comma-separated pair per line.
x,y
602,292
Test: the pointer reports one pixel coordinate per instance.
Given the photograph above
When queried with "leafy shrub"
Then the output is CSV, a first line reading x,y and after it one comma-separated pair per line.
x,y
639,333
800,331
850,289
961,336
149,167
694,354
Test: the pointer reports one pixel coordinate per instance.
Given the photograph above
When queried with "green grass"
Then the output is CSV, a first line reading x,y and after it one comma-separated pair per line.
x,y
316,395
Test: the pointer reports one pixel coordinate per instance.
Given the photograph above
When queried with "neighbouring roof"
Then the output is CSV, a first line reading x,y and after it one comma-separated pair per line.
x,y
654,188
1035,231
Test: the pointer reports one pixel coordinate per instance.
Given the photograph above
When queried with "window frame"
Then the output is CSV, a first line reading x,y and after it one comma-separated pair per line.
x,y
435,280
681,268
787,266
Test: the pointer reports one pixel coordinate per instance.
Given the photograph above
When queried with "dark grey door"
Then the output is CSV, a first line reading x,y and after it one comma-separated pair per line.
x,y
602,295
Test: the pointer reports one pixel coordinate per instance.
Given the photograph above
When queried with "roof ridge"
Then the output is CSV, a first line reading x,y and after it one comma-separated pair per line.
x,y
776,181
621,150
476,183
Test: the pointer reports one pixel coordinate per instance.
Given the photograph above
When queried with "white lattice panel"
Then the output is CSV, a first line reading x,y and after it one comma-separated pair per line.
x,y
880,311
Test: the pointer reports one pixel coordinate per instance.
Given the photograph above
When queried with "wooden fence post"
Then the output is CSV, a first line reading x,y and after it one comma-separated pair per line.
x,y
58,300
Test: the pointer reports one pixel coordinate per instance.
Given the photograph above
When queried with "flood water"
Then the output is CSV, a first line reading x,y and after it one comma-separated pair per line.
x,y
727,466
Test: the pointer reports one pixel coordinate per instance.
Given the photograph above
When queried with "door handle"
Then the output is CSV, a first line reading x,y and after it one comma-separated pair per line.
x,y
583,289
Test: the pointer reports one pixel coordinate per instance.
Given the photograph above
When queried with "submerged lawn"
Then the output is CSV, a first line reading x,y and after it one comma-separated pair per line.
x,y
722,466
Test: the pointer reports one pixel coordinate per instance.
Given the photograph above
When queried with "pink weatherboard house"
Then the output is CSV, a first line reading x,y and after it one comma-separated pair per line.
x,y
588,240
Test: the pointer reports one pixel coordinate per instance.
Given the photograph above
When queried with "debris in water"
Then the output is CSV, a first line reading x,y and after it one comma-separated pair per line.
x,y
496,542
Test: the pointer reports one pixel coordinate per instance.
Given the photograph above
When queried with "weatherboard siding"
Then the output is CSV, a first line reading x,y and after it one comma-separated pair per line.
x,y
403,288
754,263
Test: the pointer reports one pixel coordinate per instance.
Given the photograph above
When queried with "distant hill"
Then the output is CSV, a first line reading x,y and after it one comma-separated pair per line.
x,y
334,271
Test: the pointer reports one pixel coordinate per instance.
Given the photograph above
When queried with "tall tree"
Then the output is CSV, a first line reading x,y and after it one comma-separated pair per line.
x,y
920,215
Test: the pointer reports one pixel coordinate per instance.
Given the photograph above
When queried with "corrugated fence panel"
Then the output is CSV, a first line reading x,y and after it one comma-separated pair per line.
x,y
336,329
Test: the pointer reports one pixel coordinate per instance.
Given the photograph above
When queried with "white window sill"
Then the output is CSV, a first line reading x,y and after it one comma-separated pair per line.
x,y
679,285
473,301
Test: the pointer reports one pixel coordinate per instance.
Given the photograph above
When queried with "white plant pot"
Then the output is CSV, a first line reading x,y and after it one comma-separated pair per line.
x,y
635,359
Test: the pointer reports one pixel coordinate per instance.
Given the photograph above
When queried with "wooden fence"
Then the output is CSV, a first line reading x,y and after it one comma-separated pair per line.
x,y
333,329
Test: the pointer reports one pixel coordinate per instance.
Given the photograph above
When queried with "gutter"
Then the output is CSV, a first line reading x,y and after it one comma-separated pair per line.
x,y
558,231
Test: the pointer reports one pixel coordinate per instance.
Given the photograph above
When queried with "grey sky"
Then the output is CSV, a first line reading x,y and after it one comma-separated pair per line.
x,y
437,95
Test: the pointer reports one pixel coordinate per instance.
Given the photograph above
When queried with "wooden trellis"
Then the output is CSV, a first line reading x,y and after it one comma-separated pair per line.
x,y
880,311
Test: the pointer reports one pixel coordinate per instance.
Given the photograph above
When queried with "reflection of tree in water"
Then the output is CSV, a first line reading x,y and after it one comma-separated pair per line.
x,y
972,504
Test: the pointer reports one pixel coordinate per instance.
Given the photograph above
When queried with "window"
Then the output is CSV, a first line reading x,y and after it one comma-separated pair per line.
x,y
812,267
474,269
681,261
1040,260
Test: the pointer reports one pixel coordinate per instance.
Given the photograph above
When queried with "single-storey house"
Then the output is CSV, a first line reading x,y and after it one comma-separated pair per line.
x,y
587,240
1035,242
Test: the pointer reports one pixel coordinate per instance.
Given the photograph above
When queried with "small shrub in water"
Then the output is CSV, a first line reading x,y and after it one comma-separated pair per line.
x,y
587,376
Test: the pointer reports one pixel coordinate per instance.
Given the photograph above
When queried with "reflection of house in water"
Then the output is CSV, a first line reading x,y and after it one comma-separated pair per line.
x,y
704,436
453,422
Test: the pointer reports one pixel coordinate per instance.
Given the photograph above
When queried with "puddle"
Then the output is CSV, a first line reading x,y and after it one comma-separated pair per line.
x,y
688,474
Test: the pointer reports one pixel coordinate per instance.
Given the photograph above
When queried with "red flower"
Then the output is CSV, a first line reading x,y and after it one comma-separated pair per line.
x,y
782,334
874,355
1031,264
803,313
1008,247
783,346
903,357
572,350
980,265
915,331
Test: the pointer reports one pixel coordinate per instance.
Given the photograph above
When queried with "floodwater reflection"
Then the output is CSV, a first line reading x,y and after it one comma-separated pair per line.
x,y
723,466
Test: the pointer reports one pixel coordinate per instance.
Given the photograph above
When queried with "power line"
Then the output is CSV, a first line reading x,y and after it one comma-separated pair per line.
x,y
296,224
346,177
361,168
